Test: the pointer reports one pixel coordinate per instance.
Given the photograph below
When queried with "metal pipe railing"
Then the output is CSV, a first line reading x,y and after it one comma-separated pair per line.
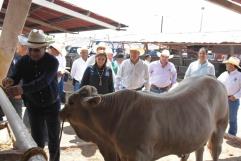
x,y
21,133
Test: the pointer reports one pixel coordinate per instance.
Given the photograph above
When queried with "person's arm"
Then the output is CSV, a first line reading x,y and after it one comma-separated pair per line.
x,y
212,70
119,77
16,74
73,69
147,78
44,80
174,74
86,77
188,72
237,95
111,83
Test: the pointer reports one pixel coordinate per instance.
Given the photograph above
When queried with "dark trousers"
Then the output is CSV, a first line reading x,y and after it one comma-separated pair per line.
x,y
37,118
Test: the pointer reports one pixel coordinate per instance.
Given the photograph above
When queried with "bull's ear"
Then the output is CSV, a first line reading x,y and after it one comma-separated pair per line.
x,y
93,100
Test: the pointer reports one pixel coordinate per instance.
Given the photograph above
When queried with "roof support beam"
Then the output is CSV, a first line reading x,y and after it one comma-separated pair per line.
x,y
227,4
47,25
67,11
1,3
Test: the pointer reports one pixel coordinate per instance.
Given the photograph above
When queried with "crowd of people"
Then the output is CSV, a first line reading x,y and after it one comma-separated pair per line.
x,y
35,80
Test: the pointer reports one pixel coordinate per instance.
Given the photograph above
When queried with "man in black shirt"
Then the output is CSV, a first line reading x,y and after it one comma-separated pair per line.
x,y
39,89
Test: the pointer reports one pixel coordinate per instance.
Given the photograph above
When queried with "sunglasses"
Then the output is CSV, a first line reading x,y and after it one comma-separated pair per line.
x,y
34,49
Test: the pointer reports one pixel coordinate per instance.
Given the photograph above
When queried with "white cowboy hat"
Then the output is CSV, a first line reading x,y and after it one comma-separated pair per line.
x,y
109,51
100,45
165,53
79,50
101,52
36,39
233,60
140,50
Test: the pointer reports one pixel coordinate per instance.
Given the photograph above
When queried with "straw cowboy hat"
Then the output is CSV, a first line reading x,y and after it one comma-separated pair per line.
x,y
233,60
57,46
36,39
140,50
60,48
165,53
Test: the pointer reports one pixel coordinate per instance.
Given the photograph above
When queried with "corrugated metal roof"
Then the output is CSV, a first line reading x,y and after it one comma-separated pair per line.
x,y
60,20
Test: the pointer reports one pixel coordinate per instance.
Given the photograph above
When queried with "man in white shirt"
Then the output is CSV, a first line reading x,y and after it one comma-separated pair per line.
x,y
163,73
201,66
56,50
78,67
133,73
232,81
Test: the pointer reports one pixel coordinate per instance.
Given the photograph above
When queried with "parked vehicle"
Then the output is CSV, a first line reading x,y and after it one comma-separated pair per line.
x,y
71,55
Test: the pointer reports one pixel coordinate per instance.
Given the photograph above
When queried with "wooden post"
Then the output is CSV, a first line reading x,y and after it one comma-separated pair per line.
x,y
15,17
1,3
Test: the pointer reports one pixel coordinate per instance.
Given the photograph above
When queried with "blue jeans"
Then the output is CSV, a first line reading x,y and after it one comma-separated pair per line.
x,y
233,111
76,86
39,118
61,90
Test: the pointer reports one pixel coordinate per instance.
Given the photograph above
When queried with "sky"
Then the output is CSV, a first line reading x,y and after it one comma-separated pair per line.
x,y
179,16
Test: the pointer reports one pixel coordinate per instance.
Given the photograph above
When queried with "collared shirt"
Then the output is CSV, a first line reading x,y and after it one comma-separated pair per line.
x,y
62,64
39,80
78,69
147,62
232,82
132,76
162,76
197,69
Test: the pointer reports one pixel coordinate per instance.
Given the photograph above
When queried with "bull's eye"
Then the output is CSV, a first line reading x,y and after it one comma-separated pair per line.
x,y
71,102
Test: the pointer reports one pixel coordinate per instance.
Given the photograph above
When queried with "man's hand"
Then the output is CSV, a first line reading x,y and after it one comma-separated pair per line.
x,y
231,98
7,82
14,91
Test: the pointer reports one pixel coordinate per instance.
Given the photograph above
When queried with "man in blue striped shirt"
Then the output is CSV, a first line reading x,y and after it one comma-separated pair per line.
x,y
201,66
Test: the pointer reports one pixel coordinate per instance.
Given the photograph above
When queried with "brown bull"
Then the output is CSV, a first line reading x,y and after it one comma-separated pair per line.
x,y
135,126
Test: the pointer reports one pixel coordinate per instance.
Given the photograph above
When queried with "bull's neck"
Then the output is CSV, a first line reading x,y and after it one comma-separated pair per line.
x,y
105,116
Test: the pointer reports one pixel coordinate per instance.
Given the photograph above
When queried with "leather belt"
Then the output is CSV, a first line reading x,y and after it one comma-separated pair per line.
x,y
160,88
